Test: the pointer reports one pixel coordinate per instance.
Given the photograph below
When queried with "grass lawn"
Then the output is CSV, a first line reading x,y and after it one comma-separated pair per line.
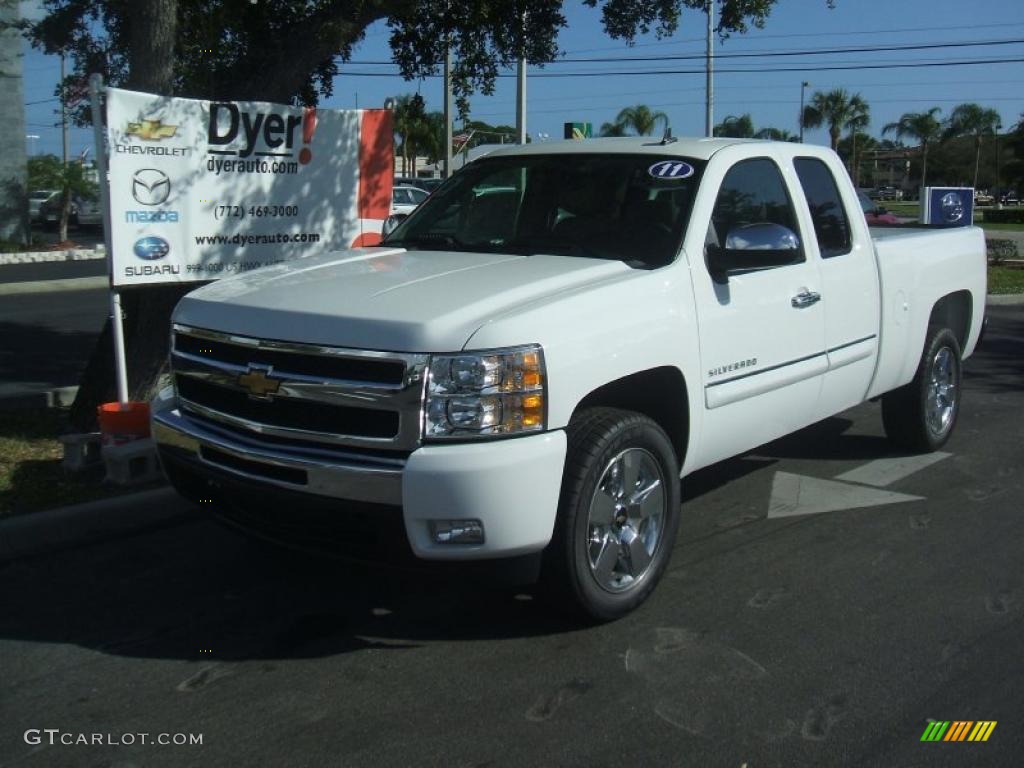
x,y
31,475
1005,280
992,225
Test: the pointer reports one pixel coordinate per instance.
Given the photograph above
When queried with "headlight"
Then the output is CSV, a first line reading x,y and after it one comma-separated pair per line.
x,y
485,394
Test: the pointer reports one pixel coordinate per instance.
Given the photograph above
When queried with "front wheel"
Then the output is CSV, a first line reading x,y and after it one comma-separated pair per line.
x,y
618,514
921,415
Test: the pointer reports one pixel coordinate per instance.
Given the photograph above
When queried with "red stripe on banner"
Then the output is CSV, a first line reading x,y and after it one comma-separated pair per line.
x,y
376,168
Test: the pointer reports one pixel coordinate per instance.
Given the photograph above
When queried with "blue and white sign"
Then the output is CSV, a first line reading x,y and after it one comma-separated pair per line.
x,y
947,206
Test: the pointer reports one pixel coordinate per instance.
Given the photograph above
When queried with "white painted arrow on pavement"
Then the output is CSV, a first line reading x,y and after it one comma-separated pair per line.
x,y
794,495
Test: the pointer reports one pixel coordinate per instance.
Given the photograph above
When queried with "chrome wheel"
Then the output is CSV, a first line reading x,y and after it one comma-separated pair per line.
x,y
626,519
940,401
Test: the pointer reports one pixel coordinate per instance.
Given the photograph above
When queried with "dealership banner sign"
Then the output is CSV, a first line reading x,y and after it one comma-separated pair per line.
x,y
201,190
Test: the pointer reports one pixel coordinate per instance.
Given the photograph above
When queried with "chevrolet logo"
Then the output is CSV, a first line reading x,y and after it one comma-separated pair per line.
x,y
258,384
151,130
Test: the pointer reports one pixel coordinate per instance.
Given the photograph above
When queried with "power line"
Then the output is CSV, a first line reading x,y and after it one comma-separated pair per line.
x,y
805,68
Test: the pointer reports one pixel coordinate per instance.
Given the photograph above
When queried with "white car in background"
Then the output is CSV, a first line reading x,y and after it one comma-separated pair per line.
x,y
404,199
36,200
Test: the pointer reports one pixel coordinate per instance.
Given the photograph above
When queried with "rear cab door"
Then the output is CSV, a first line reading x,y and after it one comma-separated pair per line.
x,y
838,236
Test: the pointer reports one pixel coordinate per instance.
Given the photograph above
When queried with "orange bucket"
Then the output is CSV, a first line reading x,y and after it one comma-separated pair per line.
x,y
123,423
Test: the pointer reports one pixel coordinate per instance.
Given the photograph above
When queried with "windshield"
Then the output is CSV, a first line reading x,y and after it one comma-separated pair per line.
x,y
632,208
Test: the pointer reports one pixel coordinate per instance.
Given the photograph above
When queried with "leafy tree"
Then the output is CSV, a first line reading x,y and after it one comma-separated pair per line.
x,y
733,127
641,119
49,172
408,115
975,121
922,127
1015,167
289,51
838,110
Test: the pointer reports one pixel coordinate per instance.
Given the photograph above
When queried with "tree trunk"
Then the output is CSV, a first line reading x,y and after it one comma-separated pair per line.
x,y
65,215
833,133
924,164
977,159
147,309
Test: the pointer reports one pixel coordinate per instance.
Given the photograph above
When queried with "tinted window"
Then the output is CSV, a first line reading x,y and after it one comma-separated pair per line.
x,y
752,192
633,208
831,224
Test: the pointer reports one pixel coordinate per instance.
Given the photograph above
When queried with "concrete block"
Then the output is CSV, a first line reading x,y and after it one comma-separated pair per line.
x,y
132,463
81,452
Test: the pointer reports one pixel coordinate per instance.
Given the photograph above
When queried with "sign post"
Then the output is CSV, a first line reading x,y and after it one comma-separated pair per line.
x,y
116,317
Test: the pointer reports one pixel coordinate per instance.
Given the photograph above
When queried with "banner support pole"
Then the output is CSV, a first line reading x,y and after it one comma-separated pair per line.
x,y
116,320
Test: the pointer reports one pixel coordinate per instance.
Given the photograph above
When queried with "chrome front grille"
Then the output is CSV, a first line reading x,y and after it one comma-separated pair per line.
x,y
302,394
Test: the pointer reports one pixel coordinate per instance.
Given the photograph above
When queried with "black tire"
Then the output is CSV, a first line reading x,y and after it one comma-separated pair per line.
x,y
921,416
597,437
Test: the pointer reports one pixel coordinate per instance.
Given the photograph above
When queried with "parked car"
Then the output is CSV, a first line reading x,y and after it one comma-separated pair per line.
x,y
404,198
1009,197
875,214
983,197
526,376
427,185
49,211
35,203
888,192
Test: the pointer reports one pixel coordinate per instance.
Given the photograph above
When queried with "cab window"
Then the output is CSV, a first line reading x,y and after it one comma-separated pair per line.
x,y
752,192
831,224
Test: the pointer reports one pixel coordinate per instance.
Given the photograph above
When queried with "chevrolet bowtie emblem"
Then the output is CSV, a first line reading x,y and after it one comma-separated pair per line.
x,y
151,130
258,384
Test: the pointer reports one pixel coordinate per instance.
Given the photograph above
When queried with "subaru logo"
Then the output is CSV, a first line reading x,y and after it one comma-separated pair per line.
x,y
151,248
150,186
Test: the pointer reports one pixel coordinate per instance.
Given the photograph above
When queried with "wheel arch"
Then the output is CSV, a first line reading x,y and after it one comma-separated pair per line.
x,y
659,393
954,311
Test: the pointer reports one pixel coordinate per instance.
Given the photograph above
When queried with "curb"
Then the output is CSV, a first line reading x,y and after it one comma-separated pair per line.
x,y
39,533
1004,299
48,286
40,257
53,397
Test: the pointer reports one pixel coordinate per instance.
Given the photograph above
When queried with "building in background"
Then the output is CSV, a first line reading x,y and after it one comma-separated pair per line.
x,y
13,172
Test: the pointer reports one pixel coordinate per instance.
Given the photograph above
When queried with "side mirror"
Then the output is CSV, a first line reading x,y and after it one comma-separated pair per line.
x,y
754,246
391,223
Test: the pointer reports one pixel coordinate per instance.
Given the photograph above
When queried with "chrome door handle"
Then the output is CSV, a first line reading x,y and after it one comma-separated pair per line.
x,y
805,298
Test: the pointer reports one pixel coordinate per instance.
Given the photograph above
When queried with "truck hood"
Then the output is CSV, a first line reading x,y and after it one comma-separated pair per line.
x,y
386,298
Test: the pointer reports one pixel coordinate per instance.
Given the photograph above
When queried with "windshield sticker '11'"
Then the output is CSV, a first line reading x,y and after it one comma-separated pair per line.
x,y
671,169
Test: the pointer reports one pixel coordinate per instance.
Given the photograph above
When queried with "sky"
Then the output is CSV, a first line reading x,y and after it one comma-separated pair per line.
x,y
794,28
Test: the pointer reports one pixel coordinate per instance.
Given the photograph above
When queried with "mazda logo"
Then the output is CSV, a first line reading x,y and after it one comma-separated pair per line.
x,y
150,186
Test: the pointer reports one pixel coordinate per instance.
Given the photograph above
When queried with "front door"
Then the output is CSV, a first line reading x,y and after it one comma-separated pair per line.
x,y
762,330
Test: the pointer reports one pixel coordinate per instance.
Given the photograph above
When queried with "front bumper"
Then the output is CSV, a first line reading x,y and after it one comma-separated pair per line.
x,y
511,486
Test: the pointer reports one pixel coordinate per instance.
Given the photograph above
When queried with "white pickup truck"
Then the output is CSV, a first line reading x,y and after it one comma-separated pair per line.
x,y
532,360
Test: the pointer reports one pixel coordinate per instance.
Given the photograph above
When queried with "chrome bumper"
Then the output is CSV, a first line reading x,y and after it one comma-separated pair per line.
x,y
375,480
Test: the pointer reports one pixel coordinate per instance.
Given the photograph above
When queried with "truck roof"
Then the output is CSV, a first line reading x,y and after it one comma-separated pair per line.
x,y
698,148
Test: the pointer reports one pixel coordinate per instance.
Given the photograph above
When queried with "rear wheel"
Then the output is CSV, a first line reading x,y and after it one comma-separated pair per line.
x,y
618,515
921,415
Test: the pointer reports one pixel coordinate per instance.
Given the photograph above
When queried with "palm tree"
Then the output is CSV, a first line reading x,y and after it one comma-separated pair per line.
x,y
775,134
612,129
972,120
923,127
733,127
641,119
408,117
837,109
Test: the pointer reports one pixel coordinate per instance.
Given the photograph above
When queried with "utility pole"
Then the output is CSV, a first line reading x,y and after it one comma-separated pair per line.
x,y
521,102
709,117
803,85
63,111
448,112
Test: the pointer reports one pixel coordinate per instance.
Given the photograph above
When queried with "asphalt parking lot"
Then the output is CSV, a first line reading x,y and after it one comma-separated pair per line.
x,y
827,599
